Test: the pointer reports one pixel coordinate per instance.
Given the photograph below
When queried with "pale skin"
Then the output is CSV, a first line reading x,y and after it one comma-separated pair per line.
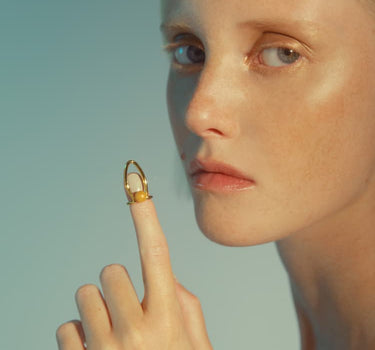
x,y
303,129
169,316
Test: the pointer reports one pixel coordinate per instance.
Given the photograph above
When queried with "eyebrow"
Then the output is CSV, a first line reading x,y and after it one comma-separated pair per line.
x,y
286,24
290,26
174,27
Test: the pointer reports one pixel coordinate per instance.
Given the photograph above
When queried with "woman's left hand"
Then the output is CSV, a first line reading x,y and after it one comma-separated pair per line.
x,y
169,317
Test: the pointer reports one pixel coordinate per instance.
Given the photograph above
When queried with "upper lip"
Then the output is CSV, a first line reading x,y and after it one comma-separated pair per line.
x,y
213,166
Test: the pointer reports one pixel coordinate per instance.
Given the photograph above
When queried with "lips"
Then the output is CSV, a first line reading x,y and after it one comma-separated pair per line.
x,y
215,176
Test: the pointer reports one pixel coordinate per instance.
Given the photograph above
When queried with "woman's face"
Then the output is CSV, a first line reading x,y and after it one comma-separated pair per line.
x,y
283,91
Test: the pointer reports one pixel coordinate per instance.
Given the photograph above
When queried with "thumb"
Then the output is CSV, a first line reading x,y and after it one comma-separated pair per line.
x,y
193,317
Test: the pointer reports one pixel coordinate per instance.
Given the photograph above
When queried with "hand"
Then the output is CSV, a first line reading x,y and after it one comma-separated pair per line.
x,y
169,317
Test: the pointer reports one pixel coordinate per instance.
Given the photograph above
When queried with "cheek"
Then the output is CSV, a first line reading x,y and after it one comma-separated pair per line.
x,y
331,138
311,148
179,93
318,147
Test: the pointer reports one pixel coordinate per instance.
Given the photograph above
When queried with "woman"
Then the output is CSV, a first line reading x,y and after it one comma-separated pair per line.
x,y
272,105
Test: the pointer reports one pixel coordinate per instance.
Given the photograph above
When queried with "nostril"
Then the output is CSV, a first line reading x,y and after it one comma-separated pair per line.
x,y
214,131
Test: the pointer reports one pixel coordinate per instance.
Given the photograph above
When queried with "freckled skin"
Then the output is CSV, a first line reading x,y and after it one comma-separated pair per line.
x,y
305,133
306,136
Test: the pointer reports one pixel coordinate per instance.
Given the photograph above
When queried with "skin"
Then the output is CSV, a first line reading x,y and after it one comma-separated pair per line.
x,y
304,131
169,316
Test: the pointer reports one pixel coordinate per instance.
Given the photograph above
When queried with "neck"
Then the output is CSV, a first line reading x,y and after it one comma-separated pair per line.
x,y
331,269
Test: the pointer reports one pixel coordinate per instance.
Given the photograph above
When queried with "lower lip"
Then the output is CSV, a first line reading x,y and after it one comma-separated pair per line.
x,y
219,182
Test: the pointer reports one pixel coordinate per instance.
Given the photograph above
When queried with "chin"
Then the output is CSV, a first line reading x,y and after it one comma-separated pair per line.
x,y
235,227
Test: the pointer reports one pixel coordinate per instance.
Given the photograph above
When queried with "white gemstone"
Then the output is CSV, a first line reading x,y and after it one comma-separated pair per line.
x,y
135,182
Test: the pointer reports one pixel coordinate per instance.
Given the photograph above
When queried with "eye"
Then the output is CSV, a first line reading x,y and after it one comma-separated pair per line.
x,y
279,56
189,54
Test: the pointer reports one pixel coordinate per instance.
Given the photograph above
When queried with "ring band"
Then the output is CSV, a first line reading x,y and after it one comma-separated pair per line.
x,y
139,196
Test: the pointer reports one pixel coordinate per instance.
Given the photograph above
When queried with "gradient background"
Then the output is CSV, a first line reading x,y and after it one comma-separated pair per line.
x,y
82,91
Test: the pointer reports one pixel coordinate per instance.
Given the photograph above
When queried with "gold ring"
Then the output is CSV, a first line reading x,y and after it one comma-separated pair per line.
x,y
139,196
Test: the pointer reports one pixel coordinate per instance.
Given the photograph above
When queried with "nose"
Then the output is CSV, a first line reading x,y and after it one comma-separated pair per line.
x,y
212,111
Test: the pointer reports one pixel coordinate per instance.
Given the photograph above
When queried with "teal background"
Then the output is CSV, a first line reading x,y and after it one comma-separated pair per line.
x,y
82,91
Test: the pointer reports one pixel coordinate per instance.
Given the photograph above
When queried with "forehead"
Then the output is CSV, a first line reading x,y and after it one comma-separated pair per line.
x,y
205,14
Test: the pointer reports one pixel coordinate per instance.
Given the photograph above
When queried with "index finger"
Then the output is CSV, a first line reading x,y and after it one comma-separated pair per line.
x,y
158,278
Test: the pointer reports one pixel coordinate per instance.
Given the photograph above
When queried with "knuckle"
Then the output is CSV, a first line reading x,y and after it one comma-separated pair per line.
x,y
158,249
168,323
194,300
85,290
133,340
103,343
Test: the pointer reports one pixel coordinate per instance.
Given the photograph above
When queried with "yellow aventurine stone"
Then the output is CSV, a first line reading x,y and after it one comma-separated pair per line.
x,y
140,196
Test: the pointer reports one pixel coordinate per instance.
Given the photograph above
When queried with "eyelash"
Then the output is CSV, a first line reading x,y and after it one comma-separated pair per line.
x,y
172,47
